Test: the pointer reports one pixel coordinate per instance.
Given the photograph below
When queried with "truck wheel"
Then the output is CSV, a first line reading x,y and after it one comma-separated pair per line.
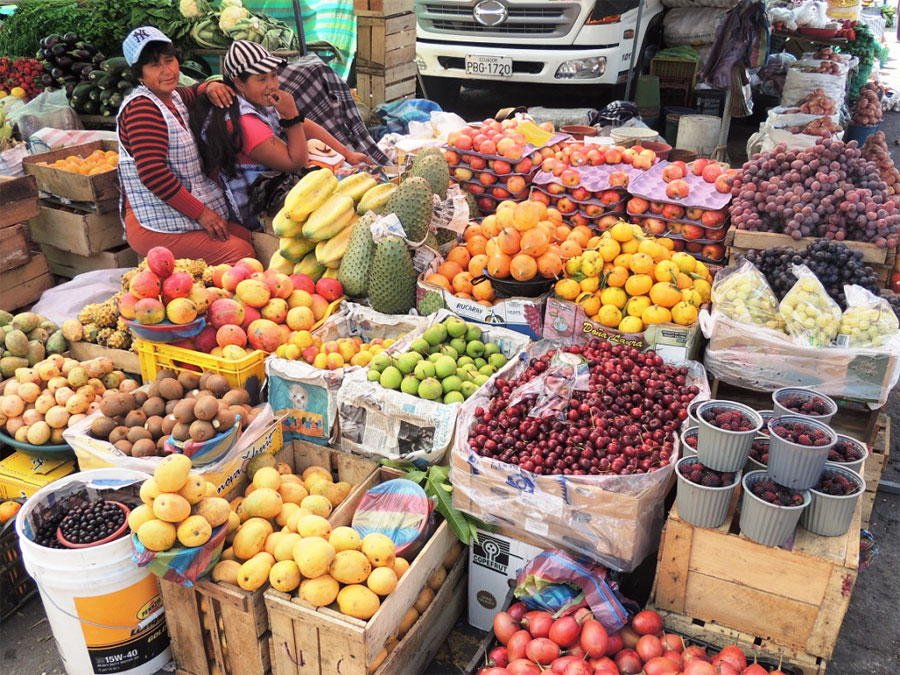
x,y
442,90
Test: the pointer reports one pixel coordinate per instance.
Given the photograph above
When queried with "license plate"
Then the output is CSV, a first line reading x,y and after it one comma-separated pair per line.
x,y
500,66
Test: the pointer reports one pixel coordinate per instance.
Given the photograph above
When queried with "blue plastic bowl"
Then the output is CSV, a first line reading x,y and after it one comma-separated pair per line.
x,y
206,452
166,331
63,451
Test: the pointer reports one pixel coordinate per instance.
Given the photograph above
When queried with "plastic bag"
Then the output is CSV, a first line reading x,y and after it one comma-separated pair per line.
x,y
868,320
48,109
398,509
743,294
798,84
11,161
179,564
46,139
692,26
557,583
63,302
810,316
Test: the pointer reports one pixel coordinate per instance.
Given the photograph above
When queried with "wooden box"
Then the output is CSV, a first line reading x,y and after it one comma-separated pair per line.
x,y
740,241
24,285
794,601
384,85
13,247
382,7
320,641
77,231
19,197
221,628
126,361
101,189
384,42
65,264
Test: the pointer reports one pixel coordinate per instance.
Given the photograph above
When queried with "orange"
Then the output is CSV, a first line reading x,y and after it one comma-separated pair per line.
x,y
684,281
438,280
486,303
477,264
462,283
463,295
665,295
590,302
638,284
622,260
472,230
554,215
483,290
615,297
8,510
550,265
641,263
666,243
570,249
534,242
476,244
621,232
498,265
656,314
450,269
509,241
504,217
567,289
617,277
562,232
582,234
459,255
523,267
666,270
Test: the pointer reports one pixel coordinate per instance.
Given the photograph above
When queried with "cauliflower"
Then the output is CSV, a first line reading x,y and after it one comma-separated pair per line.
x,y
230,16
193,9
231,3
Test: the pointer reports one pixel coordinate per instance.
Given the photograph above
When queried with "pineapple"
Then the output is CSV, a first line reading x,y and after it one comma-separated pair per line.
x,y
207,277
105,314
121,325
90,332
126,278
103,335
119,340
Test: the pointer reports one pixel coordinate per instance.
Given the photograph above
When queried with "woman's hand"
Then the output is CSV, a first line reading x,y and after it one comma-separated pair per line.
x,y
284,104
214,225
219,94
359,158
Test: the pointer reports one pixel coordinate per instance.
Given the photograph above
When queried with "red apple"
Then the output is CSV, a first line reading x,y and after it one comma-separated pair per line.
x,y
692,232
677,189
713,251
524,166
501,168
642,162
487,204
581,194
712,218
609,197
463,142
486,178
546,152
693,247
608,221
578,219
537,196
548,164
628,155
500,193
672,172
613,156
452,157
654,225
657,207
673,211
716,235
566,205
595,157
694,213
723,183
617,178
681,165
578,159
638,205
559,168
475,189
570,177
555,188
698,166
593,210
478,163
711,172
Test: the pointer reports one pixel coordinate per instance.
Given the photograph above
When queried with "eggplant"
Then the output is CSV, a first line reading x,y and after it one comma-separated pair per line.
x,y
51,40
70,78
71,39
81,54
47,80
48,53
69,89
65,62
98,59
58,50
56,73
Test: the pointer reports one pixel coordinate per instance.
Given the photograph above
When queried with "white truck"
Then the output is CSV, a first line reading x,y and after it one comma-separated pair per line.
x,y
585,42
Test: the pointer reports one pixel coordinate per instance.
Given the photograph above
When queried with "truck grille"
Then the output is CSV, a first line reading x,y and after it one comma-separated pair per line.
x,y
555,21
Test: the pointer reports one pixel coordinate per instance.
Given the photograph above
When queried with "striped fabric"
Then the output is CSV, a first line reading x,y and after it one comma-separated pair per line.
x,y
331,21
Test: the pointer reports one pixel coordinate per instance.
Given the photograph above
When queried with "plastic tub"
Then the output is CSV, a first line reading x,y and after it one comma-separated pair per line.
x,y
579,131
831,515
856,466
804,393
102,608
791,464
766,416
686,449
691,421
755,464
699,505
724,450
858,133
766,523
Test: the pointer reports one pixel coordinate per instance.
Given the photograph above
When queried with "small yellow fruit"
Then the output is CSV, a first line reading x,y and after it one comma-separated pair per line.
x,y
310,470
313,556
284,576
267,477
157,535
251,538
284,549
344,539
350,567
287,511
407,622
379,549
263,502
400,566
358,601
215,509
383,580
172,508
254,573
320,591
194,488
424,599
226,571
313,526
194,531
452,554
139,516
149,491
318,504
436,579
172,472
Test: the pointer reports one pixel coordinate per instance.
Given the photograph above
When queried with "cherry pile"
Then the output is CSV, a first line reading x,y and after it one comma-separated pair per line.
x,y
699,474
691,441
622,424
727,419
772,492
801,434
836,485
827,190
804,404
92,522
760,450
844,451
46,533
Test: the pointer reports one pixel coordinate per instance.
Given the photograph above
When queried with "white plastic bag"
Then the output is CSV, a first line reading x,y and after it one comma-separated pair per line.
x,y
810,316
64,301
742,293
868,320
48,109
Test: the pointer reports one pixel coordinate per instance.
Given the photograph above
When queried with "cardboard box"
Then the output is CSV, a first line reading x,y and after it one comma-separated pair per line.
x,y
22,475
523,315
676,344
494,562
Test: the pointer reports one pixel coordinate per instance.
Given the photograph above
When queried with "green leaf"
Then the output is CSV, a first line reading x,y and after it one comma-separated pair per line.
x,y
398,464
415,475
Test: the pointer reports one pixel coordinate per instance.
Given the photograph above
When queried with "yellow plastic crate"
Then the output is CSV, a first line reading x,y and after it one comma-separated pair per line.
x,y
248,372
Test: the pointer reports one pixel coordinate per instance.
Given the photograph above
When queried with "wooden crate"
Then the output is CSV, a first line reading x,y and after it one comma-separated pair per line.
x,y
24,285
126,361
794,600
385,41
879,453
13,247
382,7
19,197
234,634
753,646
76,230
101,189
740,241
391,84
65,264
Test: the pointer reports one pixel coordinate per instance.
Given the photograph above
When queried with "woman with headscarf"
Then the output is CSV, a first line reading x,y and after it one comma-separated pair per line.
x,y
261,130
167,198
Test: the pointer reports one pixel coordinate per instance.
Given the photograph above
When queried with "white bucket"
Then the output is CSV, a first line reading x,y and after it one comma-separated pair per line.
x,y
105,612
698,133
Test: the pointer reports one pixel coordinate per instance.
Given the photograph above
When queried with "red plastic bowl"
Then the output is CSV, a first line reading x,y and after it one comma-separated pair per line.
x,y
818,32
115,535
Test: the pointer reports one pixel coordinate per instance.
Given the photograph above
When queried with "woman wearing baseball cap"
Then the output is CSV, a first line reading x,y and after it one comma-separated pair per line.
x,y
261,130
168,200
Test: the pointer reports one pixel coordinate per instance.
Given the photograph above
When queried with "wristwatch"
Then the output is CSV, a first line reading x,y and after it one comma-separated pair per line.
x,y
299,119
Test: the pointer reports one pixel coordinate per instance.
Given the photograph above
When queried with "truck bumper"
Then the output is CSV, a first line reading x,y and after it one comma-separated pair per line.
x,y
540,66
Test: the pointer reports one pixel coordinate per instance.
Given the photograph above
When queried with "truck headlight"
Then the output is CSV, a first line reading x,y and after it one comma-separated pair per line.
x,y
581,69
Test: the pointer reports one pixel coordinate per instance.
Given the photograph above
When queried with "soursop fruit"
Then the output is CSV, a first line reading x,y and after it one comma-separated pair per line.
x,y
435,170
430,151
431,303
473,205
357,261
445,236
392,279
412,204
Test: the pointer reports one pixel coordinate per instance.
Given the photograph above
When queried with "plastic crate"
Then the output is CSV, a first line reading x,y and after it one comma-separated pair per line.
x,y
17,586
673,69
248,372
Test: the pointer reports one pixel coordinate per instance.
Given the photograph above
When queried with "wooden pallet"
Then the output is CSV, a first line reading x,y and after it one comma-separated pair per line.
x,y
65,264
221,628
77,230
740,241
794,600
24,285
879,453
387,84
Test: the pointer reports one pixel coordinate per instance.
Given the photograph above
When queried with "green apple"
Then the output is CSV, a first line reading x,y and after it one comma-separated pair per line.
x,y
391,378
497,360
473,332
430,389
421,346
454,397
381,361
423,370
455,326
436,334
410,385
444,367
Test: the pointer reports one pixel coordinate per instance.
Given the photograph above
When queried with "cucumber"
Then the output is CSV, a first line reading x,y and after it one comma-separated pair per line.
x,y
105,95
99,77
124,84
94,94
116,65
115,101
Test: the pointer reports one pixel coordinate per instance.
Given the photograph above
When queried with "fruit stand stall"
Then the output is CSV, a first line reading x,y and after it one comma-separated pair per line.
x,y
630,410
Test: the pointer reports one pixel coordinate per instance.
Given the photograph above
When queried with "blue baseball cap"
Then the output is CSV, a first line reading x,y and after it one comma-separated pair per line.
x,y
134,43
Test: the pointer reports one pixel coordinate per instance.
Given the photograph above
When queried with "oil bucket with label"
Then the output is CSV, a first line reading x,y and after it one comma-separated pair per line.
x,y
105,612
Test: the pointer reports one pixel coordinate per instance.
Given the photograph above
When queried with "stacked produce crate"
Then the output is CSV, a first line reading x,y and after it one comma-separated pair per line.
x,y
24,274
386,50
78,227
